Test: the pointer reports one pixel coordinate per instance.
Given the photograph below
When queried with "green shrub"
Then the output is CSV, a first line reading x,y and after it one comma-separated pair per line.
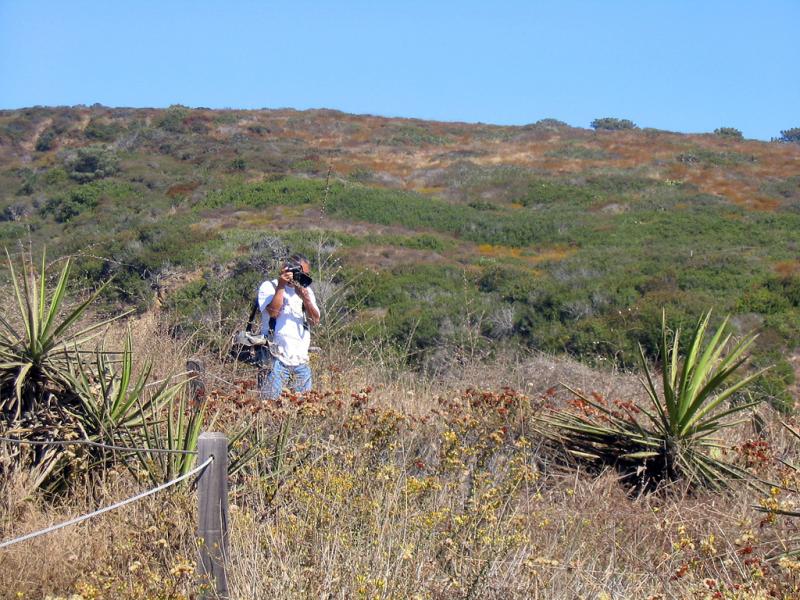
x,y
173,119
509,283
729,133
790,135
90,163
701,155
546,192
547,124
763,300
787,189
280,192
481,205
66,206
596,341
612,124
55,177
29,180
413,135
238,164
361,175
311,166
69,206
46,141
102,131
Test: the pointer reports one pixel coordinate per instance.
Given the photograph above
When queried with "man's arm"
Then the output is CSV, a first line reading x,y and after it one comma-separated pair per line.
x,y
275,305
312,312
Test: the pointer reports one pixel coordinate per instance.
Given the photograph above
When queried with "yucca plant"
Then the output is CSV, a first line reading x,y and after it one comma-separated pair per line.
x,y
52,387
34,354
177,427
676,438
117,408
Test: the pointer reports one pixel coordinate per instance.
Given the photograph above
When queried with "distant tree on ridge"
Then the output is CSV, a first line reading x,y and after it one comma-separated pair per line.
x,y
613,124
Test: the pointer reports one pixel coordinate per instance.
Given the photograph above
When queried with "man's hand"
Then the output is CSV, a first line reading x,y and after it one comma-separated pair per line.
x,y
311,312
302,292
286,277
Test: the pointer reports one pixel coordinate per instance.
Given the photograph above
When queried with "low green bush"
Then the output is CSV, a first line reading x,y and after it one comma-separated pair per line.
x,y
791,135
729,133
66,206
90,163
173,119
46,141
612,124
100,130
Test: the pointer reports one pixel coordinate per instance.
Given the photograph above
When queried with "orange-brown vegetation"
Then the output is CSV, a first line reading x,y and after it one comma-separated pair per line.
x,y
396,486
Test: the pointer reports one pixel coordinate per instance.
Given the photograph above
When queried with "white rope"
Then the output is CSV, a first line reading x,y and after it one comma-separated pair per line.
x,y
120,504
233,385
96,445
225,381
172,377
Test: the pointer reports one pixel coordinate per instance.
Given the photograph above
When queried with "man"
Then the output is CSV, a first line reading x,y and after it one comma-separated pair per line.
x,y
293,307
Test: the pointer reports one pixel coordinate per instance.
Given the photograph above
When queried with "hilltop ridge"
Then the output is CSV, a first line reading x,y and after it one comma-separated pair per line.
x,y
546,235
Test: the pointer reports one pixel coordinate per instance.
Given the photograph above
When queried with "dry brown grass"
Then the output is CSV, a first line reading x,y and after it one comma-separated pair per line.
x,y
398,486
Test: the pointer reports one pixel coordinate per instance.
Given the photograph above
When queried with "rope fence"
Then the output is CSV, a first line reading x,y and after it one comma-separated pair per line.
x,y
231,384
120,504
95,445
212,485
192,373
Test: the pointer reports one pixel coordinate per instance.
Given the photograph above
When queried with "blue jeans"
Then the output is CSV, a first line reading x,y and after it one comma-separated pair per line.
x,y
279,377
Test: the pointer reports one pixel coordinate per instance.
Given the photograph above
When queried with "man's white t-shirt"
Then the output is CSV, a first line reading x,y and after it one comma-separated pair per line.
x,y
292,338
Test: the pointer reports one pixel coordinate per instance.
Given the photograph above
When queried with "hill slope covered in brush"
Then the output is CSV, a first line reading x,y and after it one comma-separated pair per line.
x,y
450,237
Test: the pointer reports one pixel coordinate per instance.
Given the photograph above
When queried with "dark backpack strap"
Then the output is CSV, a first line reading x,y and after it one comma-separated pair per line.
x,y
252,318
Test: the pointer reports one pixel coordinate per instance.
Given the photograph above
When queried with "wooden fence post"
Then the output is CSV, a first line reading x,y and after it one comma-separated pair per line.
x,y
213,512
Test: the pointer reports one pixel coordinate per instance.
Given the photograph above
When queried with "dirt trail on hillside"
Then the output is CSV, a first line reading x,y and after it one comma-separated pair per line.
x,y
30,145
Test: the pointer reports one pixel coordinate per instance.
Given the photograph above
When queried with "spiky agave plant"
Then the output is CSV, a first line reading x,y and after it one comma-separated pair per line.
x,y
53,388
117,407
677,437
36,348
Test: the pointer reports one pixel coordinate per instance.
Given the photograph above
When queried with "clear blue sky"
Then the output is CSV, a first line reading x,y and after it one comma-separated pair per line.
x,y
678,65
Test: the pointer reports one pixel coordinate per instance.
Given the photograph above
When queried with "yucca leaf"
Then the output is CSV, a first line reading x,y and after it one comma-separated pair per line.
x,y
721,397
42,295
56,300
19,384
727,367
669,375
690,363
790,429
20,298
715,422
78,312
652,392
710,356
581,454
16,337
642,454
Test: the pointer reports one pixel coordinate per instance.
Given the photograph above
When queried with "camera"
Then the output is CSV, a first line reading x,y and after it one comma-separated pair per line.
x,y
300,277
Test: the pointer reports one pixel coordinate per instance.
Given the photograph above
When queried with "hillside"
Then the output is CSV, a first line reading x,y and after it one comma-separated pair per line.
x,y
447,239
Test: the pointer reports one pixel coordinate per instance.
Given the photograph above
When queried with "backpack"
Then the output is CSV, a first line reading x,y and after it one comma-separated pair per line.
x,y
248,345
